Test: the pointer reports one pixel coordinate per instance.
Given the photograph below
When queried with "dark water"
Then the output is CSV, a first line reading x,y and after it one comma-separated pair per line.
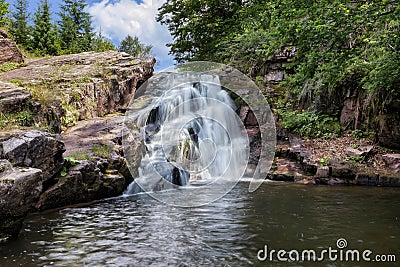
x,y
139,231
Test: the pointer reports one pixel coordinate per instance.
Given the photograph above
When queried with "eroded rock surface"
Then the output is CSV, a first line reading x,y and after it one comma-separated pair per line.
x,y
36,149
19,190
9,51
76,87
96,167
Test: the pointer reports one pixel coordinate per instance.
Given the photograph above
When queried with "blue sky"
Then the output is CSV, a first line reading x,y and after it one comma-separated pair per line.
x,y
118,18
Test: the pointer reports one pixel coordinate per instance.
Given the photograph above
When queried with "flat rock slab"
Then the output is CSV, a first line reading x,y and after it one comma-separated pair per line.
x,y
86,134
12,97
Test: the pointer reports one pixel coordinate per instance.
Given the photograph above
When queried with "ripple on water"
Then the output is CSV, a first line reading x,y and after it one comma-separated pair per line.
x,y
140,231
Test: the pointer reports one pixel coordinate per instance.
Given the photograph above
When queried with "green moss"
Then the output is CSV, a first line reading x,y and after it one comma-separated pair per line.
x,y
80,155
71,115
102,150
11,66
65,68
17,82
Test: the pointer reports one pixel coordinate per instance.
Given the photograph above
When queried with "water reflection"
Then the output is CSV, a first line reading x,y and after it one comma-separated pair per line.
x,y
140,231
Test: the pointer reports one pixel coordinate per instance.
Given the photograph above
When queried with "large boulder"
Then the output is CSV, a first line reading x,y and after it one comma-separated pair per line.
x,y
96,167
9,51
19,190
36,149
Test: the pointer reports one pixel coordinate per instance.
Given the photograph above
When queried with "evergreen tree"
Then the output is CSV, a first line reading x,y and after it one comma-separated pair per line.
x,y
101,43
44,33
20,30
3,11
75,27
134,47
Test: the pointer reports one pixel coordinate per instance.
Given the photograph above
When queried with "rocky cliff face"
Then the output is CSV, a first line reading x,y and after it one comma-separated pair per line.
x,y
28,160
357,109
57,93
70,88
9,51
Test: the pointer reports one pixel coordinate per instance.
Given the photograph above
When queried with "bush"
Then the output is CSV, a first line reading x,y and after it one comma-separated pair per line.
x,y
309,123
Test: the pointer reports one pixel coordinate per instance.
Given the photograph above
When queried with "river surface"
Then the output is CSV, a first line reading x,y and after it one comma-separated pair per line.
x,y
140,231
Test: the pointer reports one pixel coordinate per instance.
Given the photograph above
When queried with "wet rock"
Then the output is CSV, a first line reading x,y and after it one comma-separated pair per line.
x,y
339,171
322,172
285,176
88,170
306,181
99,176
69,190
109,185
19,190
392,161
367,179
389,180
334,181
36,149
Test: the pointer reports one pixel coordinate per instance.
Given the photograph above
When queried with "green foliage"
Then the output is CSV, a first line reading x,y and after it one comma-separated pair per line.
x,y
23,118
71,115
102,150
76,31
72,160
134,47
101,44
3,11
45,39
198,26
20,30
340,47
325,161
69,162
11,66
354,160
80,155
309,124
358,134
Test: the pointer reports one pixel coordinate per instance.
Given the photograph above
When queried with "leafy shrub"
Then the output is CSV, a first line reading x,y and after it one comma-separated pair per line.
x,y
23,118
11,66
309,123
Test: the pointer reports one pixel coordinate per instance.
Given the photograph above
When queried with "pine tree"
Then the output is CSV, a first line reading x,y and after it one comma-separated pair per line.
x,y
44,33
101,43
134,47
76,31
3,11
20,30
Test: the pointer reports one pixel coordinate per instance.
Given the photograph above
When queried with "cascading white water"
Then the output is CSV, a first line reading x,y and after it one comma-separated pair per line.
x,y
192,135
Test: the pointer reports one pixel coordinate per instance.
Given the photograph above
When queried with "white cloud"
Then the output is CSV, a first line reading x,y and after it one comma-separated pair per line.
x,y
117,19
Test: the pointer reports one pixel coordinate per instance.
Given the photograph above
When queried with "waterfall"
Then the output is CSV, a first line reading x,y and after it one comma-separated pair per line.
x,y
191,131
